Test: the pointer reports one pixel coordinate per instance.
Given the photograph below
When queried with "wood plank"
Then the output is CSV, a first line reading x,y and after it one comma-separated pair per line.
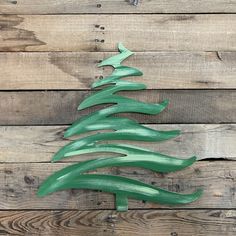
x,y
19,183
77,70
101,32
115,6
135,222
59,107
39,143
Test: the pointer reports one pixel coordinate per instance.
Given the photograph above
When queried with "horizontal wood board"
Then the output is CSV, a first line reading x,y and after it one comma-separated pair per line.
x,y
107,222
152,32
19,184
59,107
39,143
78,70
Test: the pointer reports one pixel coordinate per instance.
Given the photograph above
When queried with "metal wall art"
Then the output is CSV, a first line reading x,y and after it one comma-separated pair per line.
x,y
118,128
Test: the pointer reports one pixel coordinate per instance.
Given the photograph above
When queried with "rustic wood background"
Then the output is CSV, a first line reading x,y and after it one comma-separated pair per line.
x,y
49,51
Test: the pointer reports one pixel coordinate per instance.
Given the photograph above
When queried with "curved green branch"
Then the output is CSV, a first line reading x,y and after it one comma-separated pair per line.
x,y
117,74
85,123
134,156
115,61
121,186
137,134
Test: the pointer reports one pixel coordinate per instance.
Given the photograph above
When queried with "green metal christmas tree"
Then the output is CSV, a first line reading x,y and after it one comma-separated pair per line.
x,y
119,128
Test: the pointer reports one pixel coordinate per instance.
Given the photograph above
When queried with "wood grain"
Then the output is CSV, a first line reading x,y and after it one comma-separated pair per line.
x,y
59,107
56,45
77,70
102,32
115,6
19,183
106,223
39,143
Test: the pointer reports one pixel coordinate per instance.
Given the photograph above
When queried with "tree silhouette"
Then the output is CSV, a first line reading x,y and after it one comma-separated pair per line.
x,y
118,128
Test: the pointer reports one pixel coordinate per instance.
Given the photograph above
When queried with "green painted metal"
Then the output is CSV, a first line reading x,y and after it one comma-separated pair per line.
x,y
135,133
115,61
107,95
134,156
119,72
125,187
100,118
118,128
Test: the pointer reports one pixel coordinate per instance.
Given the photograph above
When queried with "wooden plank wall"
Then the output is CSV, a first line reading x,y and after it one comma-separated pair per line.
x,y
49,50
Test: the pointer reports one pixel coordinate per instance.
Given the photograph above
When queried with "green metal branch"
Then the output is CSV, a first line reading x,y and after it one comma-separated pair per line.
x,y
121,186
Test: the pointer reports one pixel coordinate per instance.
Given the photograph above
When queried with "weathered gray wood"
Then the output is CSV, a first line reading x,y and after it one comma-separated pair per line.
x,y
39,143
106,223
59,107
77,70
115,6
101,32
19,183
